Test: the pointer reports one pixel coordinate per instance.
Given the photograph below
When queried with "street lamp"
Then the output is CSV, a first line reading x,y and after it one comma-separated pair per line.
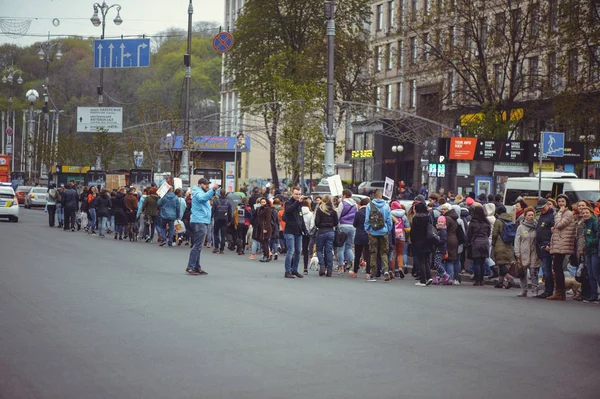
x,y
590,138
96,21
396,149
8,77
32,96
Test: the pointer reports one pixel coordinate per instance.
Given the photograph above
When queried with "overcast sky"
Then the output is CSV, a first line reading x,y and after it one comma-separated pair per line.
x,y
139,16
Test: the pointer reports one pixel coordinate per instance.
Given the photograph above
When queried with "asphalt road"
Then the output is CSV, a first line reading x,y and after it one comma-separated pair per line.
x,y
83,317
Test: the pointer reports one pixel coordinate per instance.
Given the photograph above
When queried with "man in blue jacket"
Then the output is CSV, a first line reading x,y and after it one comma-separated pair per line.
x,y
199,222
169,211
378,223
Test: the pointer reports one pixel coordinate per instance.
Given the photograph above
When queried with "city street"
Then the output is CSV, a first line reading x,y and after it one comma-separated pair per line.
x,y
84,317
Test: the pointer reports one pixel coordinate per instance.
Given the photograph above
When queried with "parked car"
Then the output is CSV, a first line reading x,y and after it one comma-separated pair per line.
x,y
37,196
368,187
9,204
21,192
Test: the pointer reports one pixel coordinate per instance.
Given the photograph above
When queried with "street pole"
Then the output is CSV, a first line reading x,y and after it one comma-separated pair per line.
x,y
184,166
540,149
30,141
22,153
328,166
235,148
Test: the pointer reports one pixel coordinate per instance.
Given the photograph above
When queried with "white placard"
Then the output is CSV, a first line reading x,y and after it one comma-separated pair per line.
x,y
335,185
91,119
178,183
163,189
388,189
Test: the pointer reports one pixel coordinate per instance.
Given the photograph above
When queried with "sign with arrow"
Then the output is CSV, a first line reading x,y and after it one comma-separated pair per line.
x,y
96,119
126,53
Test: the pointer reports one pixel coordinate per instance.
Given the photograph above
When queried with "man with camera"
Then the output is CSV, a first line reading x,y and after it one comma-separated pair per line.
x,y
294,229
199,222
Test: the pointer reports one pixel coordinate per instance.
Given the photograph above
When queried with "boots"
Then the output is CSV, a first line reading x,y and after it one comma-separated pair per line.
x,y
559,295
329,272
321,270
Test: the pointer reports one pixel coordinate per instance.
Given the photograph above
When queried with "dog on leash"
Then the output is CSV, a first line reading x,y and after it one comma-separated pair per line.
x,y
572,284
314,263
249,238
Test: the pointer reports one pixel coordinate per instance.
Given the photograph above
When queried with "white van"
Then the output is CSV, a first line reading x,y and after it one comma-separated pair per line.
x,y
553,183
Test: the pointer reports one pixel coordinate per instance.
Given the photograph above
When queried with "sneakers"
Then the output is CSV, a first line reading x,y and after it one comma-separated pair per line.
x,y
435,280
595,301
401,273
446,279
371,279
252,256
276,257
420,284
429,282
305,271
456,282
386,276
289,275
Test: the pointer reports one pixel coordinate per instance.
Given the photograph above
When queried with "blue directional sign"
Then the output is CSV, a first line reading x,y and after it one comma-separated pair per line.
x,y
127,53
553,144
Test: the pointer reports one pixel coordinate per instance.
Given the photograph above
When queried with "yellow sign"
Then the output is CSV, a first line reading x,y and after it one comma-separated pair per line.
x,y
75,169
361,154
546,167
467,119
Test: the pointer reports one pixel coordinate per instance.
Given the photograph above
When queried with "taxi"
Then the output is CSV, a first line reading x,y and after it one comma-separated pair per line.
x,y
9,204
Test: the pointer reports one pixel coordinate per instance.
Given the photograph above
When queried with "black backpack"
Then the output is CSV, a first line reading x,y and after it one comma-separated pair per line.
x,y
221,210
460,235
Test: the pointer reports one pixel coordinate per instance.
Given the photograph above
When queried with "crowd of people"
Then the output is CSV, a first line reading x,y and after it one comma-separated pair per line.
x,y
451,235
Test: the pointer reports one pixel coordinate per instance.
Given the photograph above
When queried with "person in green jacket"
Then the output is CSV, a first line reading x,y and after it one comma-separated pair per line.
x,y
502,252
590,232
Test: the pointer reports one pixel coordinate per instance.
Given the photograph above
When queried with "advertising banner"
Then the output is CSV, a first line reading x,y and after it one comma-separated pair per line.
x,y
230,177
208,143
463,148
140,177
95,178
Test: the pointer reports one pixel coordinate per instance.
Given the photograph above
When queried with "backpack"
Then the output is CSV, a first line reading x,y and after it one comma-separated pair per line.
x,y
221,210
433,238
399,229
509,232
242,214
376,218
460,235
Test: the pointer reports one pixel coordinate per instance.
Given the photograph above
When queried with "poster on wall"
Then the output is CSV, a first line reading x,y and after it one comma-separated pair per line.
x,y
230,177
95,178
140,177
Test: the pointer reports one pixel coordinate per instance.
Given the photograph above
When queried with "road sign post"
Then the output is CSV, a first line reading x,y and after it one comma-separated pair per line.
x,y
223,42
551,144
126,53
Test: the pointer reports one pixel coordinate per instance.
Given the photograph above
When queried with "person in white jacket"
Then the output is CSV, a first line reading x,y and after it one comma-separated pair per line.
x,y
308,241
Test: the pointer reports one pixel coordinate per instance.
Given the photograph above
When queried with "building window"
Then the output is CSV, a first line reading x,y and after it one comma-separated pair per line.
x,y
388,96
483,31
595,64
498,78
426,8
553,15
515,21
391,14
399,91
379,17
401,54
379,58
468,45
413,94
378,97
452,37
533,72
390,56
414,7
534,26
413,50
451,87
426,47
552,78
573,66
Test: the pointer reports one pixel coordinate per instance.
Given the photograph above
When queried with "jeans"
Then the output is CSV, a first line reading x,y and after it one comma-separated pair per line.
x,y
450,267
51,214
163,226
112,223
593,273
102,224
324,248
60,214
92,219
345,253
479,268
220,234
547,273
197,235
255,246
294,249
69,218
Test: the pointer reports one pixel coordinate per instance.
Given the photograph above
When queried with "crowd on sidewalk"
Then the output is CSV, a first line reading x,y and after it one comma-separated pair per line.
x,y
449,235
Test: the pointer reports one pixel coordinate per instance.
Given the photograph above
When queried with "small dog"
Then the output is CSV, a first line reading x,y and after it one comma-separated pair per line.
x,y
249,238
314,263
572,284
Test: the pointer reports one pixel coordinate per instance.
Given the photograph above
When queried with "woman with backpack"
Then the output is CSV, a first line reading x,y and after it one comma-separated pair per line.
x,y
326,219
361,239
503,238
478,235
401,229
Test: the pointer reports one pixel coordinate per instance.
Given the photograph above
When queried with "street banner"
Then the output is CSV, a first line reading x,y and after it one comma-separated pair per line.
x,y
335,185
230,177
163,189
388,188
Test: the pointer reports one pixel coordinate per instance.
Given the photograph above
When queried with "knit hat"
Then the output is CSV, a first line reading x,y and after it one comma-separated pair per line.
x,y
469,201
396,205
441,221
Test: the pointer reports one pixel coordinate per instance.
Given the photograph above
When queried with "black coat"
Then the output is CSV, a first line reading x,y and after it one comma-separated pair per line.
x,y
120,209
69,199
103,205
418,234
294,221
478,237
543,232
325,222
361,237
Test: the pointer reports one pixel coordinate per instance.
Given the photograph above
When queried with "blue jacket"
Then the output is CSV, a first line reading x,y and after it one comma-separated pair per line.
x,y
139,210
201,212
387,216
169,206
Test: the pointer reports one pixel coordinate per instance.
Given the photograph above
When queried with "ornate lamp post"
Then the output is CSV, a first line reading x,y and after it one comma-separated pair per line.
x,y
9,77
396,149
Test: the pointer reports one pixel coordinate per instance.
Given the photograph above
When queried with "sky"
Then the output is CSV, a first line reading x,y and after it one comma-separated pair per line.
x,y
139,17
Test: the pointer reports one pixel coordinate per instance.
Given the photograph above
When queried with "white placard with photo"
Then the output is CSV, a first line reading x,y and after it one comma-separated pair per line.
x,y
335,185
388,189
163,189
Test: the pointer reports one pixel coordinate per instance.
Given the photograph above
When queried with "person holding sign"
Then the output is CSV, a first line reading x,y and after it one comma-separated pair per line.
x,y
199,222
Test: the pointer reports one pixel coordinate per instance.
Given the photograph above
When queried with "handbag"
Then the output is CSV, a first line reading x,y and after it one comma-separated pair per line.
x,y
516,269
469,252
433,237
339,239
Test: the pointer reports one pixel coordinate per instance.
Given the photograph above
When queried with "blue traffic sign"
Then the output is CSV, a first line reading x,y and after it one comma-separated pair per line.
x,y
223,42
126,53
553,144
